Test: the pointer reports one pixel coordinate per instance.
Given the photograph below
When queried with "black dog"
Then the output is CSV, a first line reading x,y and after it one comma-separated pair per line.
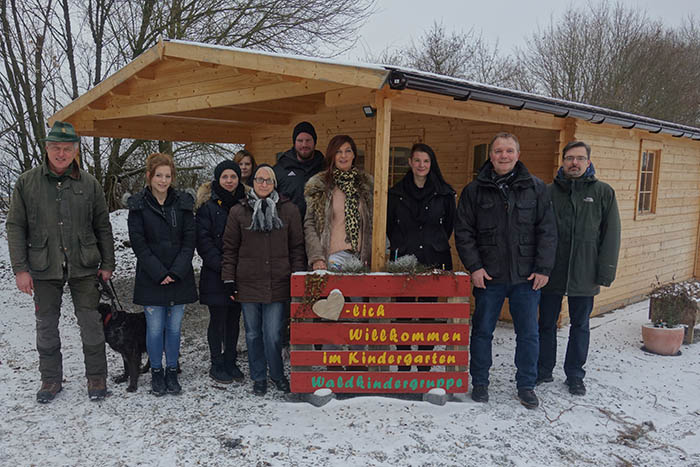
x,y
126,334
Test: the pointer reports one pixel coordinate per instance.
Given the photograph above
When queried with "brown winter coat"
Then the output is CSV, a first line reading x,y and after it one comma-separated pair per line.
x,y
317,232
261,263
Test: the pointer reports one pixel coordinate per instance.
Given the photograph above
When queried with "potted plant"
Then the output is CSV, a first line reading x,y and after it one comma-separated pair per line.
x,y
672,310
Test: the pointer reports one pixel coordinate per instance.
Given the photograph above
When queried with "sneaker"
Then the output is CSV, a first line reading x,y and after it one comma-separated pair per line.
x,y
158,381
282,385
171,383
48,391
97,388
480,393
544,379
260,388
576,386
528,398
218,374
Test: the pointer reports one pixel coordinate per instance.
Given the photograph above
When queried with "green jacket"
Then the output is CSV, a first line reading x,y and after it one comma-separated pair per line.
x,y
59,220
588,224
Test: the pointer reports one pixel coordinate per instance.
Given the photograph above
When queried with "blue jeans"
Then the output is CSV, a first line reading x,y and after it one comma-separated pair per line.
x,y
163,327
579,334
264,323
523,308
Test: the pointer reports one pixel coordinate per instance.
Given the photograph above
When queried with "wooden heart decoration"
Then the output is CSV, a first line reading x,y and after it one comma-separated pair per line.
x,y
331,307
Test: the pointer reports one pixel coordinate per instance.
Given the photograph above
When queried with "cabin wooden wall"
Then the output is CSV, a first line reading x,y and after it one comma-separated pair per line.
x,y
661,246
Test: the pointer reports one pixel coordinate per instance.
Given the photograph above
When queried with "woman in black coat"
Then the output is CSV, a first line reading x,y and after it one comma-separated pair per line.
x,y
162,235
420,218
214,200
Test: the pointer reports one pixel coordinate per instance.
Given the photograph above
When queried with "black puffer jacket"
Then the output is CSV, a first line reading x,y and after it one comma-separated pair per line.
x,y
510,239
292,174
211,222
163,239
421,227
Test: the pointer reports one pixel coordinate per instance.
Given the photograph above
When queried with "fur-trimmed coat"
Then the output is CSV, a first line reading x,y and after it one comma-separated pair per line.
x,y
211,223
317,231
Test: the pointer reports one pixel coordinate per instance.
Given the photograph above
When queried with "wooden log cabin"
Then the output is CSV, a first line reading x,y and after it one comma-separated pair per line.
x,y
183,91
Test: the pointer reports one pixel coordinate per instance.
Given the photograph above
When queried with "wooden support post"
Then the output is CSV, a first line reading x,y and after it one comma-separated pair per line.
x,y
381,180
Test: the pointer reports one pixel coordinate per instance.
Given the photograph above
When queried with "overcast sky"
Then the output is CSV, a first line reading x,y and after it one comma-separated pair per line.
x,y
508,21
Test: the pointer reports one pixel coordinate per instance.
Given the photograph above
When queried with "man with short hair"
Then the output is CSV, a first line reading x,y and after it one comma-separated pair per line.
x,y
297,165
506,238
58,231
588,224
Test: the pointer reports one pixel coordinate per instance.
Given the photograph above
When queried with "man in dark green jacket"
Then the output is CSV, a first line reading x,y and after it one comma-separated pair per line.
x,y
58,231
588,224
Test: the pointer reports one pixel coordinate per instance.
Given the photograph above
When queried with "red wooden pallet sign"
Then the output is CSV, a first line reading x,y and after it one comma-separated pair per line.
x,y
375,330
379,382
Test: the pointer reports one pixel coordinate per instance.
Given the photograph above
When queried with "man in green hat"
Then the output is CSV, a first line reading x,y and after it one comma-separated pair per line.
x,y
58,231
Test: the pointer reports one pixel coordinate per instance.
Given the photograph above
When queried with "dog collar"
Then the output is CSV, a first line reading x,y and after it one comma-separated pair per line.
x,y
107,318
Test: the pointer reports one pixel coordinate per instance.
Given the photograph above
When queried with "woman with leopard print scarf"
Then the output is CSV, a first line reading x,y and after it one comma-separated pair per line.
x,y
338,221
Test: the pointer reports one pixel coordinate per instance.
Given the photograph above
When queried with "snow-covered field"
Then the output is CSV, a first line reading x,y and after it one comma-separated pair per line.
x,y
641,409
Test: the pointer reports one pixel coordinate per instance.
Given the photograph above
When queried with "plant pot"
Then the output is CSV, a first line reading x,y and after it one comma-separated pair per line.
x,y
662,341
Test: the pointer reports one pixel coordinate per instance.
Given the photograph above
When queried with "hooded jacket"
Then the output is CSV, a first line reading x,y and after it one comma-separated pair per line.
x,y
261,263
55,220
292,175
317,231
163,239
588,225
421,227
510,238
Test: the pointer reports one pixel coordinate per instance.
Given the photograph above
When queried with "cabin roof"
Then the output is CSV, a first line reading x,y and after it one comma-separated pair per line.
x,y
189,91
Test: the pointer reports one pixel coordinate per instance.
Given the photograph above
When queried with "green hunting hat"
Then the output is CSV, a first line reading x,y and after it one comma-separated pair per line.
x,y
62,132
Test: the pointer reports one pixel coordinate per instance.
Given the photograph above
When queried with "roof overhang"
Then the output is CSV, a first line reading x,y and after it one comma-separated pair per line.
x,y
183,91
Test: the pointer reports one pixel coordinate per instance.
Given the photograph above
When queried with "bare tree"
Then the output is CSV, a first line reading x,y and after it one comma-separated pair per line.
x,y
615,56
465,55
53,50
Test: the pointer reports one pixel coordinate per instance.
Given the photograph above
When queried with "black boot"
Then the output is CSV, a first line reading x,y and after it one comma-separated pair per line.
x,y
158,381
232,369
217,371
171,383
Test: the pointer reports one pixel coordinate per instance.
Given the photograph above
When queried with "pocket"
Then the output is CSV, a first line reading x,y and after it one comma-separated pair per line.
x,y
38,253
527,251
486,218
89,253
526,211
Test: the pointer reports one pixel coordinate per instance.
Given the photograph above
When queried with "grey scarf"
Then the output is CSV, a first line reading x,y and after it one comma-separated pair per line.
x,y
265,218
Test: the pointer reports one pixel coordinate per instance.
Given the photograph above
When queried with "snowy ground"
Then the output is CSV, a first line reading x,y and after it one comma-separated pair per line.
x,y
641,409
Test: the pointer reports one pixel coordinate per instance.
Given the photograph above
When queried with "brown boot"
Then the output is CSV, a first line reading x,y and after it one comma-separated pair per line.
x,y
48,391
97,388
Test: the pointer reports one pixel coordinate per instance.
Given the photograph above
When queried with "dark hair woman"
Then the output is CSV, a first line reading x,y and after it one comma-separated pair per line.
x,y
263,245
162,234
246,162
214,200
338,221
420,217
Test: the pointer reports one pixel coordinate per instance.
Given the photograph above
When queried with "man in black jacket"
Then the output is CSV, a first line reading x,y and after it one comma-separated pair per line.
x,y
588,225
506,237
297,165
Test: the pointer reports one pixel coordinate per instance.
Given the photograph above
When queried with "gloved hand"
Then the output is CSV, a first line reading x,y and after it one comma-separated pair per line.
x,y
231,288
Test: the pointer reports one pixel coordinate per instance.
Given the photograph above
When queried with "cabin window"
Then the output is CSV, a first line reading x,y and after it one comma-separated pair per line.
x,y
647,189
399,163
481,154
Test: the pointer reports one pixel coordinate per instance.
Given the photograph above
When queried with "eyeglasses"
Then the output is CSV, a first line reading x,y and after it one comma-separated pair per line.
x,y
575,158
263,181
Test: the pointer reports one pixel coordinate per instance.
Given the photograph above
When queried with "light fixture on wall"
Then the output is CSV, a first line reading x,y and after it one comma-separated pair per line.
x,y
369,111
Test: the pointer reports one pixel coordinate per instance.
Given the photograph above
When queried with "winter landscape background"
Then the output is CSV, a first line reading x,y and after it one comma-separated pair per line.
x,y
641,409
